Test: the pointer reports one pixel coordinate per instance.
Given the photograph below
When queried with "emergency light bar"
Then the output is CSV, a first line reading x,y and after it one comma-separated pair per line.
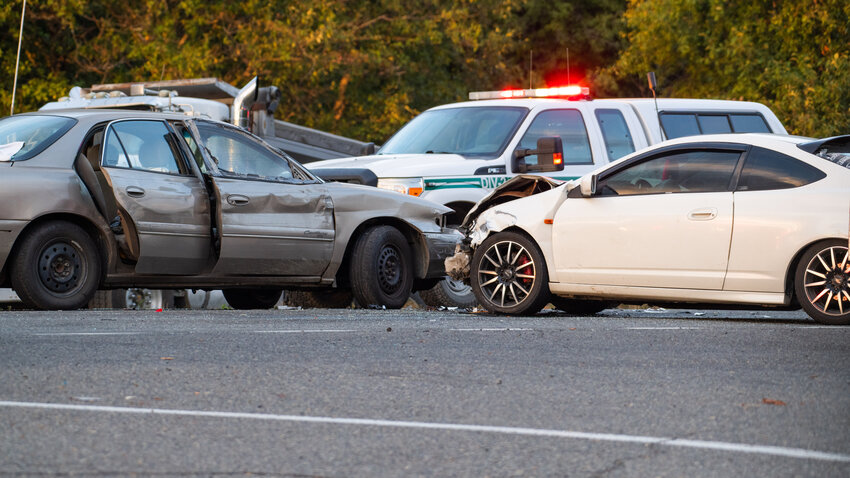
x,y
572,91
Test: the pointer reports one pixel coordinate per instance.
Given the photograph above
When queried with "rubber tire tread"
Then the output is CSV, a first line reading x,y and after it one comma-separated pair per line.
x,y
799,291
319,299
539,295
363,268
246,299
25,281
439,295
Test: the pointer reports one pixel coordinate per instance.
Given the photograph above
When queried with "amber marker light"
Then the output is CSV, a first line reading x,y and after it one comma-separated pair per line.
x,y
548,221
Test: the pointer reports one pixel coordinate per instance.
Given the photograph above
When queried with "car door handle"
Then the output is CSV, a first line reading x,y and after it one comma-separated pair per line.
x,y
703,214
237,200
135,191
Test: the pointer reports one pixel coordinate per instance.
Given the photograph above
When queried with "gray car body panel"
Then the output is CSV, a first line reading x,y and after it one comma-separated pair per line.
x,y
178,230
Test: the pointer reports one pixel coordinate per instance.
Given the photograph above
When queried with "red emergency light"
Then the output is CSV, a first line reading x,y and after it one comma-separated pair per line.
x,y
569,92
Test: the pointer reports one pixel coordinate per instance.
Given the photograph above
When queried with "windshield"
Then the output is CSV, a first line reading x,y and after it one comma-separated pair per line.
x,y
472,131
26,136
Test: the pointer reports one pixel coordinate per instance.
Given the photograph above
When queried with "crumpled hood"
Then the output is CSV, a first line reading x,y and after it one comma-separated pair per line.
x,y
393,165
355,198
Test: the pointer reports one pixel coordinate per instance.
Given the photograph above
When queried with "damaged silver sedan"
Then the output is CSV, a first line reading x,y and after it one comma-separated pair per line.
x,y
113,199
745,220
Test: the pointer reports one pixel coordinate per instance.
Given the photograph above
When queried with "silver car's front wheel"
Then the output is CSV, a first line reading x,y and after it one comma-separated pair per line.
x,y
509,275
822,282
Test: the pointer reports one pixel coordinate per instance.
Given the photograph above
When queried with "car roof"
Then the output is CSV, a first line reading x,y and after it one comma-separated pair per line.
x,y
106,114
663,103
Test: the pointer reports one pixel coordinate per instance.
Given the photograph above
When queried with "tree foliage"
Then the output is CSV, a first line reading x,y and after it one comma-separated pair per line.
x,y
362,69
792,56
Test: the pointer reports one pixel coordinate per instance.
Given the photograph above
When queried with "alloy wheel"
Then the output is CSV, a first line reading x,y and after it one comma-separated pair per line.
x,y
826,281
506,274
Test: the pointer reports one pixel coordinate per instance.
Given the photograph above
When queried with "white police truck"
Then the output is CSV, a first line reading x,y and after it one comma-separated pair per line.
x,y
456,154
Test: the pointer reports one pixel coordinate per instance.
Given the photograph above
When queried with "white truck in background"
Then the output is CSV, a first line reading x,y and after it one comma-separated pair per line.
x,y
456,154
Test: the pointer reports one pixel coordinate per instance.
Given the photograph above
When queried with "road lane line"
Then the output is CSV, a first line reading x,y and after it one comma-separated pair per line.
x,y
305,331
799,453
484,329
664,328
68,334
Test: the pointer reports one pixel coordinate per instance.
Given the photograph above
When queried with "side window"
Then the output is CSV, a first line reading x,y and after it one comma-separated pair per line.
x,y
566,124
714,124
676,172
742,123
677,125
237,153
615,132
184,133
765,169
141,145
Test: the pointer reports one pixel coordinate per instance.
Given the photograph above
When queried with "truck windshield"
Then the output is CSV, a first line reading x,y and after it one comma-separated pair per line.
x,y
471,132
26,136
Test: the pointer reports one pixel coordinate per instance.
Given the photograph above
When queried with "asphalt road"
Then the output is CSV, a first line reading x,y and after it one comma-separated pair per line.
x,y
422,393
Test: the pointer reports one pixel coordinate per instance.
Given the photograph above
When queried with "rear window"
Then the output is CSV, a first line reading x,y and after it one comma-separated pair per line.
x,y
677,125
23,137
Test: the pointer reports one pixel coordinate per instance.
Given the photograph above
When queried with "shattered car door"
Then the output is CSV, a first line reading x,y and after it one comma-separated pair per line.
x,y
272,222
164,208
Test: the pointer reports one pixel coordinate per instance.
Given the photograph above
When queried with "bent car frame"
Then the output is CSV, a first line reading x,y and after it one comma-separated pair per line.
x,y
750,220
110,199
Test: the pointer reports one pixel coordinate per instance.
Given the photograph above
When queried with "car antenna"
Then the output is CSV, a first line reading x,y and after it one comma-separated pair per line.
x,y
18,58
653,86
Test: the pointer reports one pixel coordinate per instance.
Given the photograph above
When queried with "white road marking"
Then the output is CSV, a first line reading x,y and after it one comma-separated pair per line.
x,y
305,331
800,453
67,334
663,328
484,329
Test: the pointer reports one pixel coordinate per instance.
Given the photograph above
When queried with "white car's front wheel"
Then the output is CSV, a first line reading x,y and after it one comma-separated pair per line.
x,y
509,275
822,282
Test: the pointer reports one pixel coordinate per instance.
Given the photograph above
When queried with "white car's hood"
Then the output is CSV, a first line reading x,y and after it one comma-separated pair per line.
x,y
393,165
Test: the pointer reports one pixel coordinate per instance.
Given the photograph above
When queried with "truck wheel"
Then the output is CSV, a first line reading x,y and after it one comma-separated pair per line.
x,y
318,299
243,299
135,298
508,275
381,269
579,306
57,267
449,293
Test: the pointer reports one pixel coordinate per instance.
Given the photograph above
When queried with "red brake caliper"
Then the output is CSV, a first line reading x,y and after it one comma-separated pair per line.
x,y
525,270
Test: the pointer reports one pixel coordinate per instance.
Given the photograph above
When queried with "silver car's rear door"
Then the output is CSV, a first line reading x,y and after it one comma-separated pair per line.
x,y
164,207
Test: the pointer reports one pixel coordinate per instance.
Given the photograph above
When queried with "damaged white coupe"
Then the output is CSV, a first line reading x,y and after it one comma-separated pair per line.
x,y
742,220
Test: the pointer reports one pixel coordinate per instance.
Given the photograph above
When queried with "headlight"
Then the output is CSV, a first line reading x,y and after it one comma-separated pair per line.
x,y
411,186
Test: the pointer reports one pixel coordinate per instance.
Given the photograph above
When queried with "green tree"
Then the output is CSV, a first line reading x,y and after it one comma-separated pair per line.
x,y
791,55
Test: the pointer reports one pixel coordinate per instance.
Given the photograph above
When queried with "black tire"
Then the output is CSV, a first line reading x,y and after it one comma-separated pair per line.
x,y
508,275
319,299
381,268
57,267
822,282
449,293
580,306
244,299
108,299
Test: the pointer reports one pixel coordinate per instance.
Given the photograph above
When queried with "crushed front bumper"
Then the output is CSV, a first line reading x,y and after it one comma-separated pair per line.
x,y
440,246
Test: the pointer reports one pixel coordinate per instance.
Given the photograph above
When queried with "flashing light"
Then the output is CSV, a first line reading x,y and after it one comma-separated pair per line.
x,y
571,91
557,158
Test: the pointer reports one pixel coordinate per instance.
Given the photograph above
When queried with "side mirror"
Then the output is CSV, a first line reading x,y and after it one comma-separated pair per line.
x,y
588,185
550,157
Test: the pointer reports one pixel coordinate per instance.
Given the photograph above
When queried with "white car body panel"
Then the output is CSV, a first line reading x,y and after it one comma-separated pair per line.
x,y
679,248
740,252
